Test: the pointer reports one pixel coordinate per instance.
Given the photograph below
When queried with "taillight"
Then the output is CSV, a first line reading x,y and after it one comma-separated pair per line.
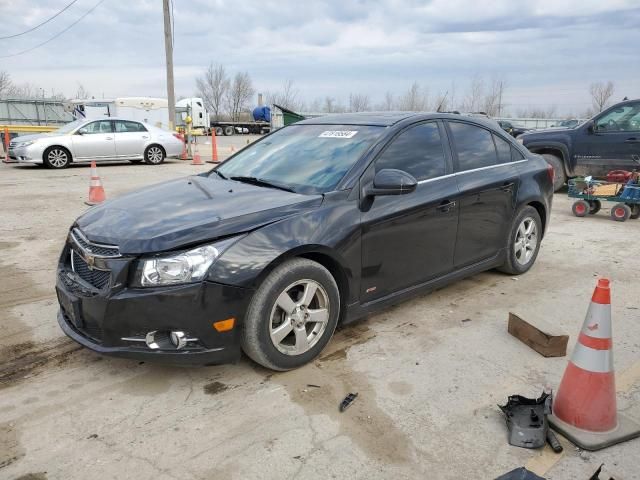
x,y
550,172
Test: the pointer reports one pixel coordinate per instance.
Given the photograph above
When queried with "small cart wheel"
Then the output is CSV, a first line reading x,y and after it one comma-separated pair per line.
x,y
580,208
635,210
620,212
594,206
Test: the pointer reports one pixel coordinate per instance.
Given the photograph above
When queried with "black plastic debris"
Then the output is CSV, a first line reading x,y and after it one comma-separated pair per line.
x,y
520,474
596,474
348,400
553,441
527,420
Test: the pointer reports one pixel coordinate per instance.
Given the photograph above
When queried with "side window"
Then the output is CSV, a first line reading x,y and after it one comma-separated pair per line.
x,y
123,126
622,119
417,151
101,126
474,146
516,155
503,148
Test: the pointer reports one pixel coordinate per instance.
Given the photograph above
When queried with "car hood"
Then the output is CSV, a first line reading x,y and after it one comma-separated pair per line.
x,y
188,211
29,138
549,130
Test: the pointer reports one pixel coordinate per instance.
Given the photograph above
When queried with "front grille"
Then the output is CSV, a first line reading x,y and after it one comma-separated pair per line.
x,y
98,278
95,249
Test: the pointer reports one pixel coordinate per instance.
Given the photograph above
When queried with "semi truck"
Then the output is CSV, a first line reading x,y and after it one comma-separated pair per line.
x,y
265,119
154,111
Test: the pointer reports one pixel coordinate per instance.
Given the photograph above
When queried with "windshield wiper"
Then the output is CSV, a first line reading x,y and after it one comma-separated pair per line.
x,y
262,183
219,174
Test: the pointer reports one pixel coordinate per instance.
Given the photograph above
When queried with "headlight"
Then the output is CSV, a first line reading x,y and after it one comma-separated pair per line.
x,y
25,144
179,268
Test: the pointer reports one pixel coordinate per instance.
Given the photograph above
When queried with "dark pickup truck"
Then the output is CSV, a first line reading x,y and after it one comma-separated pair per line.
x,y
609,141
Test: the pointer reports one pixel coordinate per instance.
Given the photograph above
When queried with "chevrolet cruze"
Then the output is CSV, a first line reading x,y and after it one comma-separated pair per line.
x,y
318,223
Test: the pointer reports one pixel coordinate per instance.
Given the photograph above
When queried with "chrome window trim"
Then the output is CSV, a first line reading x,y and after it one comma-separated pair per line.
x,y
471,171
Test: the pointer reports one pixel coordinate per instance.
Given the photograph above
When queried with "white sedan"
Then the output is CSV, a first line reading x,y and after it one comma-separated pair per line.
x,y
104,139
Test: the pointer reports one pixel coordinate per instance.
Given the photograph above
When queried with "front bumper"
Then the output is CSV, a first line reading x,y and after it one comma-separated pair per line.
x,y
114,320
25,154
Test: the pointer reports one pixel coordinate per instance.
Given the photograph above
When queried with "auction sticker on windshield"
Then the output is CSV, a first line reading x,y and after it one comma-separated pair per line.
x,y
338,134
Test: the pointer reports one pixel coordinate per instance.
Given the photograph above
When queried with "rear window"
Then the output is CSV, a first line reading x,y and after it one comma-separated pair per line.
x,y
474,146
503,148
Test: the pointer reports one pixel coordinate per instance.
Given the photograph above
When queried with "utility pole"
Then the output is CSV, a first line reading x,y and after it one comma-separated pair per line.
x,y
168,48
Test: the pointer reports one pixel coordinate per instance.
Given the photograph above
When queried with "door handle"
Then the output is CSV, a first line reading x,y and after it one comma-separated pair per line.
x,y
145,137
632,140
109,138
445,206
507,187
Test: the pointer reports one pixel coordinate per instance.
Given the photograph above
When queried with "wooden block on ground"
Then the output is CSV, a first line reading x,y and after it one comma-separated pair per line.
x,y
546,344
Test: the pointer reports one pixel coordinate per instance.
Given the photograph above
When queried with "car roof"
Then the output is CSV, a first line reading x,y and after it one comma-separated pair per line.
x,y
387,119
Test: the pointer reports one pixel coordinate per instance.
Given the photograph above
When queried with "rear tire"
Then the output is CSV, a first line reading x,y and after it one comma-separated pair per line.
x,y
559,178
581,208
525,236
219,131
292,315
620,212
56,157
635,211
228,130
594,206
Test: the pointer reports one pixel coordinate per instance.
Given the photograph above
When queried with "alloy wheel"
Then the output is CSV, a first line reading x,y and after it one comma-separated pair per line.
x,y
526,241
57,158
299,317
154,155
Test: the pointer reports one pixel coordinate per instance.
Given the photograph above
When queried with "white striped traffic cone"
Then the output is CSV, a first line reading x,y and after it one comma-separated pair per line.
x,y
96,191
584,409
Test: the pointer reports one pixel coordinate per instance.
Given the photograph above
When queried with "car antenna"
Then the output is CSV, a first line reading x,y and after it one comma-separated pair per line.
x,y
442,101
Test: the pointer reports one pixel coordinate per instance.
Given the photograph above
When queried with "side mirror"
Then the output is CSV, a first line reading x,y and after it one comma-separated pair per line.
x,y
591,126
390,181
79,132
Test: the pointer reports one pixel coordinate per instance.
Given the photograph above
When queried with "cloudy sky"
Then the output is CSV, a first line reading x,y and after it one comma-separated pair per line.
x,y
547,51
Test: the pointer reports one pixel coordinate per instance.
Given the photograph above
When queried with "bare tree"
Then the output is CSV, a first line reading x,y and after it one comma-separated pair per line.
x,y
389,102
473,101
414,100
601,93
5,83
213,86
82,92
492,102
287,97
359,102
240,91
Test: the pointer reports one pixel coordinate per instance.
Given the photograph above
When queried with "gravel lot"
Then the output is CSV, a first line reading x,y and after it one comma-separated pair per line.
x,y
429,372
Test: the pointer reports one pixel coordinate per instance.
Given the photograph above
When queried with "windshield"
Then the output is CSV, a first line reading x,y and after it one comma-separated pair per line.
x,y
304,158
69,127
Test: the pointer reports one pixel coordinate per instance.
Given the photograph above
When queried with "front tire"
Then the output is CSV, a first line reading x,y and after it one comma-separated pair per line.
x,y
292,315
525,236
154,155
56,157
620,212
559,178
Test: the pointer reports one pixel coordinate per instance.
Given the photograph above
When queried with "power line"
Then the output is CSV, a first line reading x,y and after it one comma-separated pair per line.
x,y
56,35
40,24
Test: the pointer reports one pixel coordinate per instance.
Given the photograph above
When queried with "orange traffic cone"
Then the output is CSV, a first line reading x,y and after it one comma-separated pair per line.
x,y
584,409
214,148
96,191
197,160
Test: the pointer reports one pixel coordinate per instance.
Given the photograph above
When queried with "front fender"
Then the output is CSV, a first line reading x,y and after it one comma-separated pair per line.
x,y
249,260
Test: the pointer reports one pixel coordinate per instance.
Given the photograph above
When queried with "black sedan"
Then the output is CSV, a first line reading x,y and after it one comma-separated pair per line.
x,y
318,223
